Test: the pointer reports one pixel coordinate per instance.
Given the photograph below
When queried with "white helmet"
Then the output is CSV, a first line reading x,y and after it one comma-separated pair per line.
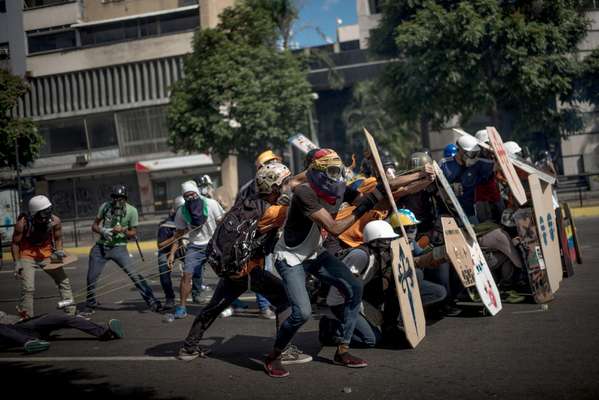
x,y
512,148
38,203
270,175
378,229
179,201
482,136
190,186
468,143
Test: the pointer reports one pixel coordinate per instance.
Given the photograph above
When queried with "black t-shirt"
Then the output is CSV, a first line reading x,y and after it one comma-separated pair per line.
x,y
304,203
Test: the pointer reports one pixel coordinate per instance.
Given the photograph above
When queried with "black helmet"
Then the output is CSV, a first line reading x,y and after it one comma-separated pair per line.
x,y
119,190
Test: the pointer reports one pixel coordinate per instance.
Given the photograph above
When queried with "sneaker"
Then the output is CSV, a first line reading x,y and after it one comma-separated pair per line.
x,y
267,314
274,368
169,303
86,313
348,360
180,312
227,312
156,306
450,310
512,297
293,355
190,355
35,346
116,328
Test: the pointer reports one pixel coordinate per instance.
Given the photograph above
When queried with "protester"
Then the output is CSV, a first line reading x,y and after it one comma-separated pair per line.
x,y
465,171
165,239
116,222
36,243
198,218
488,203
450,150
260,210
32,334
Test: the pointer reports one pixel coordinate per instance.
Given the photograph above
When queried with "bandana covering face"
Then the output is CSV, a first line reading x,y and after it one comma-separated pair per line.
x,y
325,188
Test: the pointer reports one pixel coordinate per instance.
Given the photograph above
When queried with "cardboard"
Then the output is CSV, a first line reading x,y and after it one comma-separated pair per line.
x,y
573,233
404,271
505,163
533,255
458,251
542,202
485,284
563,242
302,143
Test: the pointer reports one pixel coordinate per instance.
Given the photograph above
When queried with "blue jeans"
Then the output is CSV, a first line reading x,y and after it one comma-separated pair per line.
x,y
99,256
195,258
330,270
365,334
165,277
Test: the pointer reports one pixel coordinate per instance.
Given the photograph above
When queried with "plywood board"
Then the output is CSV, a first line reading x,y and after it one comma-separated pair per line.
x,y
408,292
505,163
302,143
458,251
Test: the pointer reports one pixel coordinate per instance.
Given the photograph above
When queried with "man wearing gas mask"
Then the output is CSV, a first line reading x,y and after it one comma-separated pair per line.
x,y
116,223
37,239
465,171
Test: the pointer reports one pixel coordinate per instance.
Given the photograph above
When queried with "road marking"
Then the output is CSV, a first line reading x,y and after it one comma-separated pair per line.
x,y
58,359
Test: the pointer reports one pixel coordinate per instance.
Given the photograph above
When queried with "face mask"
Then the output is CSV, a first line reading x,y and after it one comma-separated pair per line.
x,y
470,161
43,217
119,202
190,197
411,232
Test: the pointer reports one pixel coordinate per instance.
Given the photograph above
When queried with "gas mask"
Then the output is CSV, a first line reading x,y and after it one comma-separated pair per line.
x,y
471,157
43,217
411,231
118,204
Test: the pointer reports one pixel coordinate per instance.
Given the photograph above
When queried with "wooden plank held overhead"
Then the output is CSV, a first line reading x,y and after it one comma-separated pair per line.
x,y
506,166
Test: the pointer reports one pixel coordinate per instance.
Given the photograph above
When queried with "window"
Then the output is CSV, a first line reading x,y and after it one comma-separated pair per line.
x,y
101,131
4,51
63,136
109,33
42,3
179,22
375,6
51,41
2,6
148,27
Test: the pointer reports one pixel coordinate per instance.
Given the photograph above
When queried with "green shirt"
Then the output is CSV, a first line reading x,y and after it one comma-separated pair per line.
x,y
110,219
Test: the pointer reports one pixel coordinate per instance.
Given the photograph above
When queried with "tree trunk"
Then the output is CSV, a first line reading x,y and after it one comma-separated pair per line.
x,y
425,132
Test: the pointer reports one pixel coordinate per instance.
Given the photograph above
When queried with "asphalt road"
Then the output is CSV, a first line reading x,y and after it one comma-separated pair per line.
x,y
523,352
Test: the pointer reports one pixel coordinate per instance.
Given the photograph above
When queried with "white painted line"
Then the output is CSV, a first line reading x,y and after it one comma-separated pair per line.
x,y
57,359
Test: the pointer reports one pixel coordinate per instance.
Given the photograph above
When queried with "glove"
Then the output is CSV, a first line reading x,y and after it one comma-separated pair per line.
x,y
107,233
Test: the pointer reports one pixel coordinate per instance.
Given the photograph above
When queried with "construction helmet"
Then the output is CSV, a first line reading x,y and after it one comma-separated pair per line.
x,y
178,202
265,157
420,159
482,136
450,150
38,203
378,230
270,176
468,143
407,217
512,148
329,162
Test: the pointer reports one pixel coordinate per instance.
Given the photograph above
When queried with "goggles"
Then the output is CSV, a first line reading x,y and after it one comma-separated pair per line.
x,y
334,172
190,196
471,154
45,214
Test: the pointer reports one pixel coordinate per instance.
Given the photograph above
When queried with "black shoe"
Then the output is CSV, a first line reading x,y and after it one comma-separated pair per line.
x,y
156,306
450,310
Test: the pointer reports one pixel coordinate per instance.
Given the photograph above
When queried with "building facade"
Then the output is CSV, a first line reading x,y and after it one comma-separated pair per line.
x,y
100,74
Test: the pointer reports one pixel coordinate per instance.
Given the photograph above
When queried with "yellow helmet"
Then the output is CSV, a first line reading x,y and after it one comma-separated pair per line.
x,y
266,156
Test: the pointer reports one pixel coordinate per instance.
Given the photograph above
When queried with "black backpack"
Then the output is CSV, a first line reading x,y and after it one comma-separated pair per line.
x,y
236,239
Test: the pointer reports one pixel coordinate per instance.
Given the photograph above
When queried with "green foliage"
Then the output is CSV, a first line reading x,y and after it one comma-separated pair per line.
x,y
367,110
239,94
588,85
22,130
511,60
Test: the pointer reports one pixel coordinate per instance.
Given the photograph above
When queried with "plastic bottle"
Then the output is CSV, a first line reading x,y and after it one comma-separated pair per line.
x,y
168,318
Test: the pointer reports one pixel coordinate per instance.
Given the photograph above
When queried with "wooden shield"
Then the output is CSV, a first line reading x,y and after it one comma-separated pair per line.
x,y
69,259
408,292
486,288
547,229
458,251
506,166
573,232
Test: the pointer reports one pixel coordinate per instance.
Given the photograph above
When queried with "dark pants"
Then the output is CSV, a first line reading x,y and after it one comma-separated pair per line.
x,y
99,256
42,326
165,277
227,290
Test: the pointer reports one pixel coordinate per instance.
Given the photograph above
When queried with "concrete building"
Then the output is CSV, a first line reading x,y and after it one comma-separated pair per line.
x,y
100,75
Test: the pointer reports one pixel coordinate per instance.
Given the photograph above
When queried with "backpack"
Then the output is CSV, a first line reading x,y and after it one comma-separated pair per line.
x,y
236,239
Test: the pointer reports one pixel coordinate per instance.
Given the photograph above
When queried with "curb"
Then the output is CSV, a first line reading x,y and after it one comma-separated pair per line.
x,y
583,212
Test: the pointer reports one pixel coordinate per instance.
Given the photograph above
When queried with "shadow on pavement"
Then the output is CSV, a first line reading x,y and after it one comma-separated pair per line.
x,y
69,383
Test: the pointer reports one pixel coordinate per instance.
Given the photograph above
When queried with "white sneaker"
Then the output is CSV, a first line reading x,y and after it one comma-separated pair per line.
x,y
268,314
293,355
227,312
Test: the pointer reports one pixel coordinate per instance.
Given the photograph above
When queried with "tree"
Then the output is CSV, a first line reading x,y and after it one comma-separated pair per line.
x,y
367,110
510,60
588,84
239,94
13,130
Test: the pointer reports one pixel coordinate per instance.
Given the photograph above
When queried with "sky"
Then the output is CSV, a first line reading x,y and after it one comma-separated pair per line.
x,y
321,15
